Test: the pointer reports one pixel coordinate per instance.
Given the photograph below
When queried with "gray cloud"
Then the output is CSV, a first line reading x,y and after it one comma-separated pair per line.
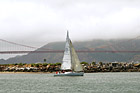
x,y
37,22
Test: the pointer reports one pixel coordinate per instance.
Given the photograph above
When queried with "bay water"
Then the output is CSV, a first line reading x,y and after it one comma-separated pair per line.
x,y
128,82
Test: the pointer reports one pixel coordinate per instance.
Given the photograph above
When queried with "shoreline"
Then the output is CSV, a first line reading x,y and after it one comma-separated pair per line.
x,y
27,72
47,72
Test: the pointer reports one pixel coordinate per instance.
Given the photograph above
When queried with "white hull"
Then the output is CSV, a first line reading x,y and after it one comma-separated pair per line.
x,y
70,74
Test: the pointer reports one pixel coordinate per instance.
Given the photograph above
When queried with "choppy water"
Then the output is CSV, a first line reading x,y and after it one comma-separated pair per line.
x,y
90,83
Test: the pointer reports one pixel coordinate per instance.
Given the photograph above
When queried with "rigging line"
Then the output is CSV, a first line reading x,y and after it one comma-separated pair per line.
x,y
16,43
22,44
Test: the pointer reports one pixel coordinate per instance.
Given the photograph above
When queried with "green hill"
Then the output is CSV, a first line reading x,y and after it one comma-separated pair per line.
x,y
100,45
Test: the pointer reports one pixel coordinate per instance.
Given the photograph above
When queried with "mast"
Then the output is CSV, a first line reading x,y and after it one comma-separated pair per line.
x,y
67,34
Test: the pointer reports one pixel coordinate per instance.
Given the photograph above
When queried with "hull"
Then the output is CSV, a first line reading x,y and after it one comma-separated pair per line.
x,y
70,74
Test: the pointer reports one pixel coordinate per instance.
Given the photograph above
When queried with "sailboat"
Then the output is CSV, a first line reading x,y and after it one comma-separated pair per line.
x,y
70,64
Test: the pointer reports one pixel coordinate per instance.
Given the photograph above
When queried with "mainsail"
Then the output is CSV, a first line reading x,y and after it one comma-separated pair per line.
x,y
70,58
67,56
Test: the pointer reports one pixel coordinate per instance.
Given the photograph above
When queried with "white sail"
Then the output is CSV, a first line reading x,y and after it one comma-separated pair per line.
x,y
66,64
76,66
70,58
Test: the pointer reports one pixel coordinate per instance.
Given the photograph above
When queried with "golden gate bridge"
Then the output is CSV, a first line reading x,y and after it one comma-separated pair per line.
x,y
5,48
61,51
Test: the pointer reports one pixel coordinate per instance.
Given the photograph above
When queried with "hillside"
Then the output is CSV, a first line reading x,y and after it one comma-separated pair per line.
x,y
121,44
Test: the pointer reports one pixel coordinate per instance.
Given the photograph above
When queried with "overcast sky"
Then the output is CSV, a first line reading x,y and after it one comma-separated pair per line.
x,y
38,22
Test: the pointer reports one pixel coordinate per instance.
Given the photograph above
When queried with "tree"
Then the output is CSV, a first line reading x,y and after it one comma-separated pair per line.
x,y
36,65
93,63
32,65
45,60
101,63
57,64
51,64
45,64
15,64
20,64
85,63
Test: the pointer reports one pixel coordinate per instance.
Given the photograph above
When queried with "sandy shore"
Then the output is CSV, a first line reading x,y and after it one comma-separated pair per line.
x,y
26,72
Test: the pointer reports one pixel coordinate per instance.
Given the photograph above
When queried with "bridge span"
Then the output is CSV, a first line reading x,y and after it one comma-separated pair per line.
x,y
62,51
